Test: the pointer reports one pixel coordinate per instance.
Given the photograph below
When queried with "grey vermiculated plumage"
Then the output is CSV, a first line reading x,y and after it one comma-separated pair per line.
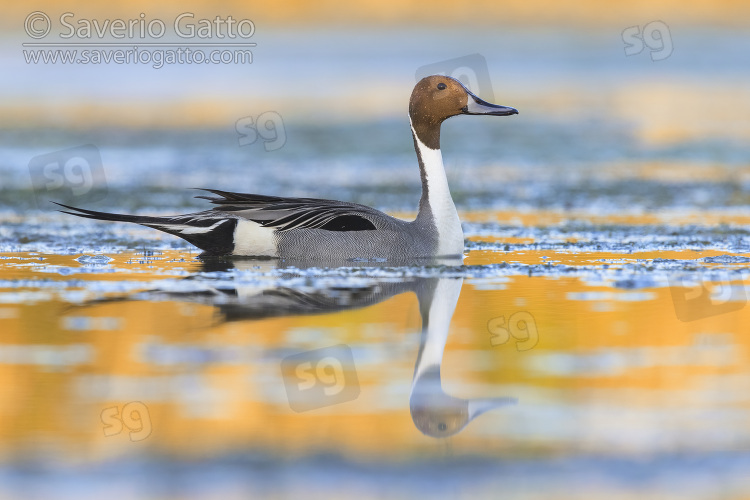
x,y
299,224
300,236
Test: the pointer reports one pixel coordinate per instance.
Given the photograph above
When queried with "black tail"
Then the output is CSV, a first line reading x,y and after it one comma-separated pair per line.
x,y
210,231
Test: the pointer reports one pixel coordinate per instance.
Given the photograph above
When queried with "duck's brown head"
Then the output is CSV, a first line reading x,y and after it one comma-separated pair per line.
x,y
436,98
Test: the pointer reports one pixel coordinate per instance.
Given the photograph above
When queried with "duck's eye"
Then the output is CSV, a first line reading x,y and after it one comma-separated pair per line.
x,y
441,86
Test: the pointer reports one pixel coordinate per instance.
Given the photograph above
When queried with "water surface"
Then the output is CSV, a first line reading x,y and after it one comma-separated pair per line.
x,y
594,340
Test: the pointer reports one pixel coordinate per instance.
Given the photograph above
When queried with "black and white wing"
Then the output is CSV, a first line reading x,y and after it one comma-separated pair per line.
x,y
284,214
214,230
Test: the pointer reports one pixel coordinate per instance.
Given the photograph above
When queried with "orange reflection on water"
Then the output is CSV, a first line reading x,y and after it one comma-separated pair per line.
x,y
588,365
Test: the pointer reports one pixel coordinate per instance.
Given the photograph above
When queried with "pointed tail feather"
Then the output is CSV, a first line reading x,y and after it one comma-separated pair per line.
x,y
211,232
92,214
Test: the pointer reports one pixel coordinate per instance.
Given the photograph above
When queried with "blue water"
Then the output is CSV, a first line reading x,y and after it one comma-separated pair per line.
x,y
568,150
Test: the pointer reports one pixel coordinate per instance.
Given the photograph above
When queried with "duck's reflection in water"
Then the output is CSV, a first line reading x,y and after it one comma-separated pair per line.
x,y
434,412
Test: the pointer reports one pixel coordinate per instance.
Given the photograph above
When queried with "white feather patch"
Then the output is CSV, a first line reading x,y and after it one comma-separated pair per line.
x,y
253,240
186,229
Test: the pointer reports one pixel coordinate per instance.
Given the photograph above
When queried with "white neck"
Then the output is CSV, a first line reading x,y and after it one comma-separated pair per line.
x,y
450,234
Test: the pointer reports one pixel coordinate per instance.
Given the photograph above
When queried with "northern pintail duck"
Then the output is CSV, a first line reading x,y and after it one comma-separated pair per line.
x,y
253,225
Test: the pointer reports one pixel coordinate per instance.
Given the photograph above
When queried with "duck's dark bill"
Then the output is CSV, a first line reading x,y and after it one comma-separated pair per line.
x,y
477,106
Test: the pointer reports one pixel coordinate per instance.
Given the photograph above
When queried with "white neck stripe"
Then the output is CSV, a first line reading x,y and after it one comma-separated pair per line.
x,y
450,234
